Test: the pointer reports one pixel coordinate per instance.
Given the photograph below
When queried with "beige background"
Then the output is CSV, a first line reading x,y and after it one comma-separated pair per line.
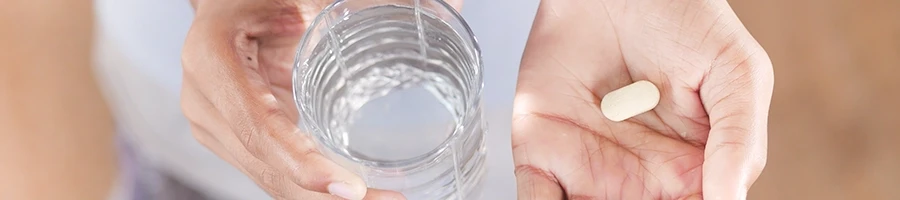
x,y
835,122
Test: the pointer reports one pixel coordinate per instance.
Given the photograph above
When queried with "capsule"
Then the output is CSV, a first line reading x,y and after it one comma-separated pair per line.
x,y
629,101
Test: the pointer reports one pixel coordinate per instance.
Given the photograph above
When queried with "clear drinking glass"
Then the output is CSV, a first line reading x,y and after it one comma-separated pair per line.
x,y
391,90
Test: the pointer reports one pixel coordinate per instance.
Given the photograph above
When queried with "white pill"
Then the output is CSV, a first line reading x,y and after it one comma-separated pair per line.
x,y
630,101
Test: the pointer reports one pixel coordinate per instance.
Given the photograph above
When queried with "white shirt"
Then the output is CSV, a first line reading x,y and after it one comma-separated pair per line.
x,y
138,51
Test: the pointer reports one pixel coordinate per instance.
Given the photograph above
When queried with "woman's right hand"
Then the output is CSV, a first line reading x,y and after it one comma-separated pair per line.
x,y
237,95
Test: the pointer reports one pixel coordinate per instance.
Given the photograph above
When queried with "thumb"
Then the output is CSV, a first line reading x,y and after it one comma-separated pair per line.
x,y
736,95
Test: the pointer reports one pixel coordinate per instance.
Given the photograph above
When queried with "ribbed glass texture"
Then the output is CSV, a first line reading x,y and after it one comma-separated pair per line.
x,y
391,89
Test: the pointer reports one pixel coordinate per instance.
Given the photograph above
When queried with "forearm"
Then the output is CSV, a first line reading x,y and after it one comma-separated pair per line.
x,y
55,131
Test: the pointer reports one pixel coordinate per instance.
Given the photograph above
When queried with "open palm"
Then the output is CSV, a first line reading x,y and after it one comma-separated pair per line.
x,y
706,138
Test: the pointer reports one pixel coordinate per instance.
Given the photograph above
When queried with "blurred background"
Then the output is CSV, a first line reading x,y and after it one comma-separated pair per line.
x,y
834,123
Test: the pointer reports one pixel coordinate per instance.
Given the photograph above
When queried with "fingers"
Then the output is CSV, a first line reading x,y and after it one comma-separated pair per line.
x,y
269,180
216,65
209,122
272,139
274,183
537,184
736,94
266,133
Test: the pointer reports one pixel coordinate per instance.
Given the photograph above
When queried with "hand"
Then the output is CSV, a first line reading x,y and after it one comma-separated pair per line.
x,y
237,94
705,140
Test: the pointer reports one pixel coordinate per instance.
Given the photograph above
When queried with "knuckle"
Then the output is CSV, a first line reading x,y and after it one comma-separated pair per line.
x,y
201,136
189,103
251,131
250,138
268,113
261,132
254,132
270,179
188,111
307,152
307,146
192,48
188,67
186,105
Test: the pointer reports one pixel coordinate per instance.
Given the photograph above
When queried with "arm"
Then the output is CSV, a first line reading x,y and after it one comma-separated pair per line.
x,y
56,138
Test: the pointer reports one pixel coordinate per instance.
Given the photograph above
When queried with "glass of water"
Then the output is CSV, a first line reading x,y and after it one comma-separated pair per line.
x,y
391,90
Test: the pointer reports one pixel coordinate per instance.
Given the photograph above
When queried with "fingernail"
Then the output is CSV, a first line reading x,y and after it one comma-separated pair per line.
x,y
343,190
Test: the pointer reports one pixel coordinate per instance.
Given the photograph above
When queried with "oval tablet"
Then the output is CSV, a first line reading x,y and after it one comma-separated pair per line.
x,y
630,101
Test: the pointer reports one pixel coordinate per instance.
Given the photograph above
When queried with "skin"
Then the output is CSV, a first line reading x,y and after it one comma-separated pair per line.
x,y
705,140
57,133
237,94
